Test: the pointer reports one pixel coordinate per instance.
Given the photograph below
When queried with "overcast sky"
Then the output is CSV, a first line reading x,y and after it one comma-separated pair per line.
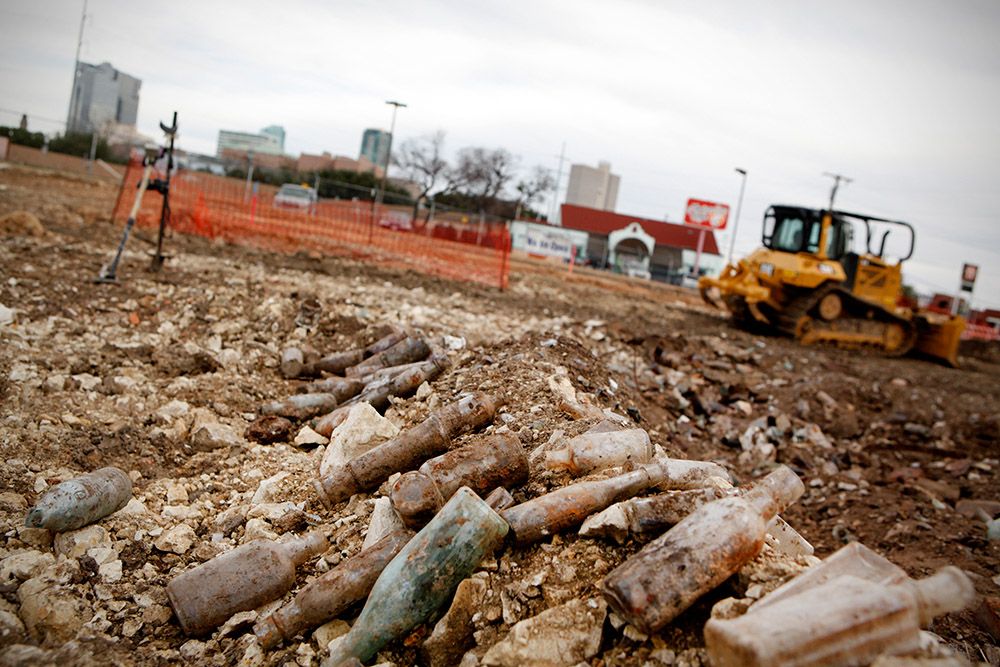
x,y
900,95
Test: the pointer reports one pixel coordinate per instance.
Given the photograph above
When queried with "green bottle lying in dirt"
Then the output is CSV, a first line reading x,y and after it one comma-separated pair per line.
x,y
423,576
81,500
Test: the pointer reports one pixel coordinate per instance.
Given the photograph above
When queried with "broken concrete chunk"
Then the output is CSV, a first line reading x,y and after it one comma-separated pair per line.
x,y
363,429
177,540
563,635
384,521
452,635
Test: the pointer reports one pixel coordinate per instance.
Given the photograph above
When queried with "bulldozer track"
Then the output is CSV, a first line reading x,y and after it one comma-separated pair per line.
x,y
860,324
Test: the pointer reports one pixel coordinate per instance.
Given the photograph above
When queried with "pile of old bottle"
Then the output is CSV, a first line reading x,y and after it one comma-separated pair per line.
x,y
394,365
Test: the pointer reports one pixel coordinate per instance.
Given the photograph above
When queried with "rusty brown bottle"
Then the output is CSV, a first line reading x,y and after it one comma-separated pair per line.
x,y
377,395
494,461
301,406
239,580
564,508
338,362
331,594
704,549
407,450
342,388
405,351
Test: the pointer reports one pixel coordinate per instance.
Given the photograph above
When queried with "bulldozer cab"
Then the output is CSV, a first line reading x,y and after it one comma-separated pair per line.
x,y
794,230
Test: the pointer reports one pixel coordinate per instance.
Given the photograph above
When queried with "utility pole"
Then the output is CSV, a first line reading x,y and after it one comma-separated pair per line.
x,y
74,100
739,205
388,153
837,178
555,193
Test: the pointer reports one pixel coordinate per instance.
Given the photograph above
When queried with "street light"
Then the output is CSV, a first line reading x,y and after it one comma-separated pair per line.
x,y
739,205
385,169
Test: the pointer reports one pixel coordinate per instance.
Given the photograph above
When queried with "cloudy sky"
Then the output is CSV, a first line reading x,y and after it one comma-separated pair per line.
x,y
900,95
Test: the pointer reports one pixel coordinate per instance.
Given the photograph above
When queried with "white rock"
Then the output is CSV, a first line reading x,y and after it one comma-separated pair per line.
x,y
170,411
307,436
268,488
258,529
6,315
75,543
181,512
384,521
213,436
111,572
87,381
271,511
53,616
134,507
563,635
327,632
24,565
102,555
363,429
424,390
611,522
176,540
454,342
176,493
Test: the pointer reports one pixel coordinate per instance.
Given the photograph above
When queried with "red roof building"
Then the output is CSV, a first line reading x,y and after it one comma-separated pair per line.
x,y
667,261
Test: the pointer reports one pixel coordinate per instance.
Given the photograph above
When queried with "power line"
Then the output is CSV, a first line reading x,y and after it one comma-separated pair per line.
x,y
32,115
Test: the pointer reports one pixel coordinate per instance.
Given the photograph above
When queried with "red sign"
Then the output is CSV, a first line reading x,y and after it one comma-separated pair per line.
x,y
706,214
969,272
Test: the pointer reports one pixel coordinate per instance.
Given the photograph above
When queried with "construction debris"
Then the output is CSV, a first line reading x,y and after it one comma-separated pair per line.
x,y
166,378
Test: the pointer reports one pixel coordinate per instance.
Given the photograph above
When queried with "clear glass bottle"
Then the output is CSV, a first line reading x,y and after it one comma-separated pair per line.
x,y
846,621
599,451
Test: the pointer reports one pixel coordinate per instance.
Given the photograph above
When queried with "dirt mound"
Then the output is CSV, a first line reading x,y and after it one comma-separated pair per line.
x,y
21,223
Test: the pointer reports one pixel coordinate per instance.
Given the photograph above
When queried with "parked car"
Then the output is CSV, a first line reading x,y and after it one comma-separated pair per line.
x,y
299,197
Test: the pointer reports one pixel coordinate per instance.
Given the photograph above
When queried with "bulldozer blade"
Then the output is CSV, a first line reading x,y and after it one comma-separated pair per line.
x,y
710,295
938,336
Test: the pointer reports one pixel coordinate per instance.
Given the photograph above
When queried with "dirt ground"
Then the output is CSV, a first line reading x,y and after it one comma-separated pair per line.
x,y
94,375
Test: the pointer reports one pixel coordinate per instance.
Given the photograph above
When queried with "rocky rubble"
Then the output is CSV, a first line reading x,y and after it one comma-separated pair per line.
x,y
164,376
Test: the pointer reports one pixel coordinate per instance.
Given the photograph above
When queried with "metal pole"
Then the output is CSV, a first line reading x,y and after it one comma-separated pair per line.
x,y
697,255
93,152
388,152
837,178
739,205
74,100
555,192
246,190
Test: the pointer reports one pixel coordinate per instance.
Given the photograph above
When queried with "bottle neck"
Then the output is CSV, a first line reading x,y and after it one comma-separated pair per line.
x,y
775,492
302,549
946,591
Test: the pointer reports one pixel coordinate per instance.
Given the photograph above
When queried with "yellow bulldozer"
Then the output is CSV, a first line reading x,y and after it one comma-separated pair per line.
x,y
808,282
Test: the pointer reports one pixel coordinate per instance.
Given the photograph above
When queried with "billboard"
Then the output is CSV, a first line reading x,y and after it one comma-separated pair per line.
x,y
706,214
969,272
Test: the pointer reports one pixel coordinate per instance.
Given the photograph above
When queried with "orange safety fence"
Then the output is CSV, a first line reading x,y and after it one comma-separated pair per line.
x,y
223,208
980,332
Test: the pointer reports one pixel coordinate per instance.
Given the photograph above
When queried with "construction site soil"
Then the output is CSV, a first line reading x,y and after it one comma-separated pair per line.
x,y
93,375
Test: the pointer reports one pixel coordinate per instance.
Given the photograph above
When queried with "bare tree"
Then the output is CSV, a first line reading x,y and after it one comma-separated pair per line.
x,y
421,162
529,189
482,174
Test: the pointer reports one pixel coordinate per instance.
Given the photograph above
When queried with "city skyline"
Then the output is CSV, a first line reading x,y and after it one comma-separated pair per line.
x,y
896,95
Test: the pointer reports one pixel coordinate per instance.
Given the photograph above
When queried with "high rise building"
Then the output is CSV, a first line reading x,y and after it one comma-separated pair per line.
x,y
593,188
101,96
375,146
278,132
266,142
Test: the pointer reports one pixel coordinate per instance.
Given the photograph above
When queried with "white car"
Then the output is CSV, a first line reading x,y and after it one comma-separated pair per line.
x,y
299,197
